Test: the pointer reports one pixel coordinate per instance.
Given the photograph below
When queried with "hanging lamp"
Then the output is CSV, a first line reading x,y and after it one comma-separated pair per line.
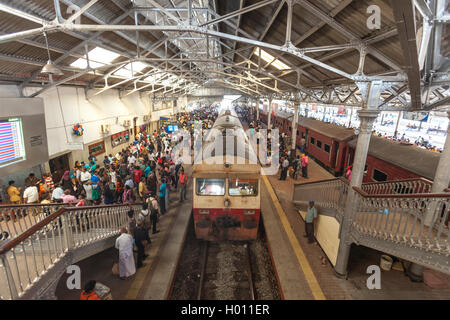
x,y
50,68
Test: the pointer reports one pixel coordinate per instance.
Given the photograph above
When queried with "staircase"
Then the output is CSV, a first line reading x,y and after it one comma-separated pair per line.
x,y
390,217
32,261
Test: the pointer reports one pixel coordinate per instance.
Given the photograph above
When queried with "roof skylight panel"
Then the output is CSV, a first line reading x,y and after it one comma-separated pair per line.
x,y
267,57
97,57
131,69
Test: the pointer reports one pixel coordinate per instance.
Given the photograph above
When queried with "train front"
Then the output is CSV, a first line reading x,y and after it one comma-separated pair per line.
x,y
227,184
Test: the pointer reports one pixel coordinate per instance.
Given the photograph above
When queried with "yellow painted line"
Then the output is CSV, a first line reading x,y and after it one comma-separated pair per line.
x,y
142,273
301,258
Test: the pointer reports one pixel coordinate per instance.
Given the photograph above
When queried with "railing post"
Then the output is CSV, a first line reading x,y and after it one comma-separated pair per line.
x,y
9,278
67,231
442,176
368,118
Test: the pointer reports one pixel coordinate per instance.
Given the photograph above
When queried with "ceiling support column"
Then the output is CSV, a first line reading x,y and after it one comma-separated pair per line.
x,y
440,183
294,128
269,115
367,117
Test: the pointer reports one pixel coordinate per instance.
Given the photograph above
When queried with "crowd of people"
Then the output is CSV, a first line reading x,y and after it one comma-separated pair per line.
x,y
293,163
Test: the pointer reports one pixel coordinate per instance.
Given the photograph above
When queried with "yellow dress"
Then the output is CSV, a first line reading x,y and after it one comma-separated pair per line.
x,y
14,194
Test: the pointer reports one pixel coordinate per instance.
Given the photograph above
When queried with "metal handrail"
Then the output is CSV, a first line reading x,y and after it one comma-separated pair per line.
x,y
401,180
26,258
418,220
16,219
398,196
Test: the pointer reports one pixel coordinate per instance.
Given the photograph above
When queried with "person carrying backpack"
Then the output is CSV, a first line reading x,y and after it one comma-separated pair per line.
x,y
153,208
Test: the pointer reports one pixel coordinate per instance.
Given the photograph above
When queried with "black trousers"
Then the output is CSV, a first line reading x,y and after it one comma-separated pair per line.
x,y
305,172
154,219
140,254
309,229
283,173
162,205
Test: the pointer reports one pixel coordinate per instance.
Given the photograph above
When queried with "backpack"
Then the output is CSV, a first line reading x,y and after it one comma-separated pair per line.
x,y
123,170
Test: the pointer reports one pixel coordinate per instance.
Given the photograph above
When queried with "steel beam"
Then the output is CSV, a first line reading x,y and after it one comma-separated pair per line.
x,y
239,12
348,34
404,15
23,15
82,10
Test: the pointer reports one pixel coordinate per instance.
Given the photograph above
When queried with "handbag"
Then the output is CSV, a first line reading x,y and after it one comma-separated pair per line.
x,y
115,269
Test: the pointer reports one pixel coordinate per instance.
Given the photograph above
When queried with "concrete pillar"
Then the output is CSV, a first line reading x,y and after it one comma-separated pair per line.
x,y
442,176
257,108
368,118
398,122
351,115
269,115
294,127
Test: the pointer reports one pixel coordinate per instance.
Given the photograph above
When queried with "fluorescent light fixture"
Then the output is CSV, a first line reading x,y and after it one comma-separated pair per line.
x,y
97,57
267,57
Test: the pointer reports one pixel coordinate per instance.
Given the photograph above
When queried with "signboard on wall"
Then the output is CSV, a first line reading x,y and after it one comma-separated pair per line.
x,y
120,138
23,135
97,148
75,146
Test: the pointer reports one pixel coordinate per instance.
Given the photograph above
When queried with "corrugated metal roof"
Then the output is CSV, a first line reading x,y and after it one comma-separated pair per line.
x,y
350,14
417,160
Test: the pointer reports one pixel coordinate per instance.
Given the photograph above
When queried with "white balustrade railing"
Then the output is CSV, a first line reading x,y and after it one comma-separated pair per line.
x,y
409,186
17,218
27,257
330,194
401,219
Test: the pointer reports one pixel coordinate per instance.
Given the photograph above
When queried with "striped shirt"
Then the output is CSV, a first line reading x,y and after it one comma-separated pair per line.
x,y
49,182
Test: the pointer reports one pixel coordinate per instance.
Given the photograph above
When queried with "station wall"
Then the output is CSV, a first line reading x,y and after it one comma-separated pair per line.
x,y
67,106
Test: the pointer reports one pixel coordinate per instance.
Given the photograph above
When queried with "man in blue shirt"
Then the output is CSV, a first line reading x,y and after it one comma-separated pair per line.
x,y
162,196
310,220
147,170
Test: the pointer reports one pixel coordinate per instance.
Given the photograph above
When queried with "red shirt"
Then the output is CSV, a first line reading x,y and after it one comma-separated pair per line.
x,y
183,178
137,175
89,296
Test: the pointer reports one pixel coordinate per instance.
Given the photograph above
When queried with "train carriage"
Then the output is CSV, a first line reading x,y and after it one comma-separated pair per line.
x,y
226,189
334,146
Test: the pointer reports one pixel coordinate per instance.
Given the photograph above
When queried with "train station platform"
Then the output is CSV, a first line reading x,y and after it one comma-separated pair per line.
x,y
152,281
304,271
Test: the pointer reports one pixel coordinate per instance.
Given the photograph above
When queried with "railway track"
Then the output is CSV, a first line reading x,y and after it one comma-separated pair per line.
x,y
226,272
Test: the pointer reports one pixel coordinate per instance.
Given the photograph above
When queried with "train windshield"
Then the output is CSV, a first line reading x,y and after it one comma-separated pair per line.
x,y
240,187
210,187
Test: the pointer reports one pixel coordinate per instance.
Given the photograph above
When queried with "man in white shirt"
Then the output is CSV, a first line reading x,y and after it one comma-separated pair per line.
x,y
126,259
284,169
57,193
85,176
31,195
131,160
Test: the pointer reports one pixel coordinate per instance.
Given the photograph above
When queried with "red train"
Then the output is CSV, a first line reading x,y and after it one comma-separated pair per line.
x,y
333,147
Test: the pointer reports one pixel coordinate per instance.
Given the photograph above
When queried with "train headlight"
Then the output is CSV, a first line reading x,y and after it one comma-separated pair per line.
x,y
203,211
249,211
